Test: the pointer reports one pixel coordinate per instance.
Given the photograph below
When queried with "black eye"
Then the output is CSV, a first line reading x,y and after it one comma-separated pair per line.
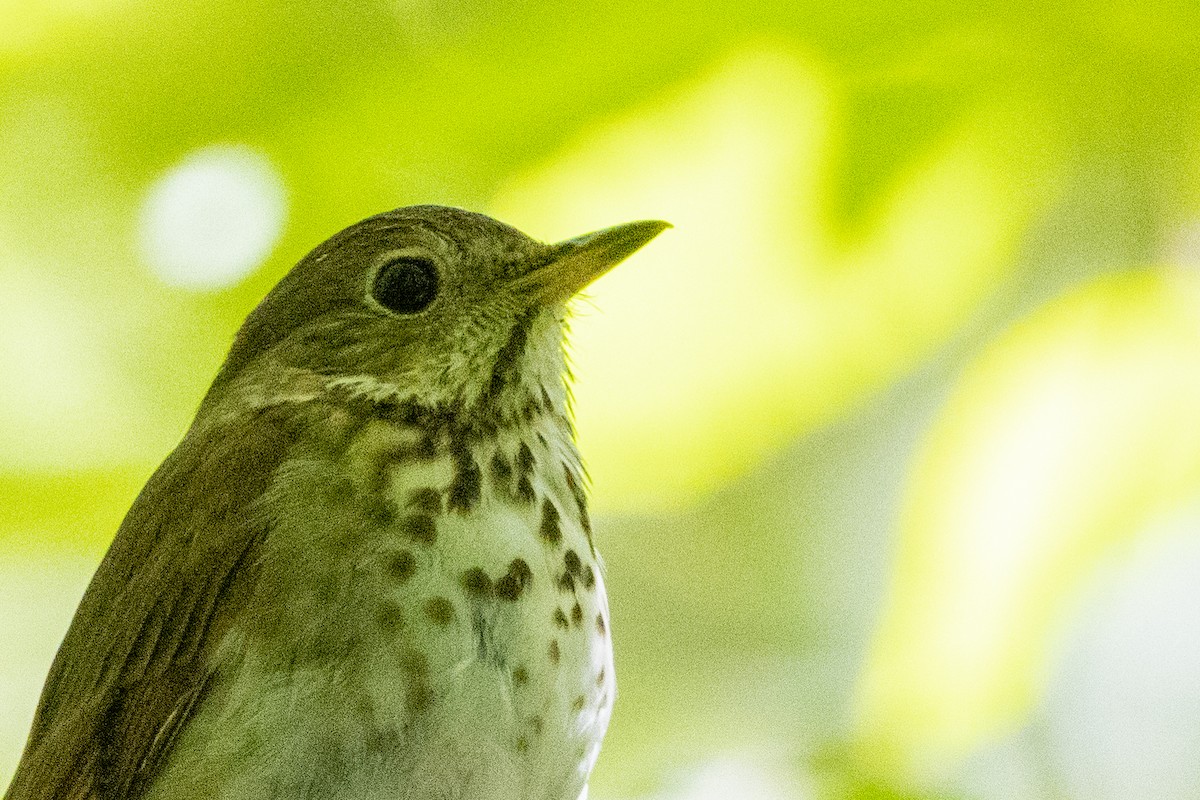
x,y
406,285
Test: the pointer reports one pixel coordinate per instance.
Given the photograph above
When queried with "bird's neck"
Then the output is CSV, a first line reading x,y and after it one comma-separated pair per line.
x,y
525,378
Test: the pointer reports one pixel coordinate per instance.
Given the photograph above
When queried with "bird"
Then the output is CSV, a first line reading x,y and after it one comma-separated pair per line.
x,y
367,570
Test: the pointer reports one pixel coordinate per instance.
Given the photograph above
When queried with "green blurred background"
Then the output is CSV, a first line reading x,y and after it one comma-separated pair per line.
x,y
894,437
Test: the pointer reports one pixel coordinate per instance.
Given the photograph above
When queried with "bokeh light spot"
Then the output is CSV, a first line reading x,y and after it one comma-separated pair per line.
x,y
212,218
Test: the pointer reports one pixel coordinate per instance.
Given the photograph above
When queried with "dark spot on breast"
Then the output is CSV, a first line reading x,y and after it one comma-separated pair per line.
x,y
419,527
381,461
428,500
381,512
440,611
572,563
524,459
577,492
426,449
578,704
566,582
577,614
465,489
520,676
600,626
508,360
400,566
554,652
537,723
549,529
560,619
501,469
600,677
576,489
515,581
589,577
476,582
585,522
522,744
547,403
525,491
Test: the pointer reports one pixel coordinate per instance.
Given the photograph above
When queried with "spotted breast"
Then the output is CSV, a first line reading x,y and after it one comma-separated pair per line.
x,y
444,572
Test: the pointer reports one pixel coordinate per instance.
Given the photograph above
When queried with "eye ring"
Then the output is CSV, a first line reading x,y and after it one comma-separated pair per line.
x,y
406,284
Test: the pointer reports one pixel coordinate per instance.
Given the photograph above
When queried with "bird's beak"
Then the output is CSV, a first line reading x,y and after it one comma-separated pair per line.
x,y
573,264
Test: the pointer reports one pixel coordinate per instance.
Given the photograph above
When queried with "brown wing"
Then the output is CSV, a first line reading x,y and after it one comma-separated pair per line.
x,y
135,662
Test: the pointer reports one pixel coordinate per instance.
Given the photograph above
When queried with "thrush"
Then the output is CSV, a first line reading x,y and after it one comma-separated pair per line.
x,y
367,571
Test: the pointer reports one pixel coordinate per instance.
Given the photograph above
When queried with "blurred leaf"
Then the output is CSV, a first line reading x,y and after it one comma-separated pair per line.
x,y
1069,433
751,322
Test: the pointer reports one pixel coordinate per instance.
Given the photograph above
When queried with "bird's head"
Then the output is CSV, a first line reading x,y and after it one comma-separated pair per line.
x,y
435,304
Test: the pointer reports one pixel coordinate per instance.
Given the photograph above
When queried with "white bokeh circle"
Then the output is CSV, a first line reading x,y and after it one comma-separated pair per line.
x,y
211,219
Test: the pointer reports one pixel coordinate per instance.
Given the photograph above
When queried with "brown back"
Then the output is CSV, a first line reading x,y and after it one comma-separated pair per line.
x,y
136,661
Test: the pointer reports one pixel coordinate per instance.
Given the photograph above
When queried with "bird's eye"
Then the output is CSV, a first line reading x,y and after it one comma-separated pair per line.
x,y
406,285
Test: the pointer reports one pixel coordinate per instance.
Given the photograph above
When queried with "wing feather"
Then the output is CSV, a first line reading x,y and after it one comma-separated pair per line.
x,y
137,662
